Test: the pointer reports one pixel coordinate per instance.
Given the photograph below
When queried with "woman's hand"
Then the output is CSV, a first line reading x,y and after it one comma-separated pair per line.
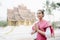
x,y
36,26
33,32
38,30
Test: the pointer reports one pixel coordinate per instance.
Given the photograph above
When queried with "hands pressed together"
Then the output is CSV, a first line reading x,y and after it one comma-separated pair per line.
x,y
36,29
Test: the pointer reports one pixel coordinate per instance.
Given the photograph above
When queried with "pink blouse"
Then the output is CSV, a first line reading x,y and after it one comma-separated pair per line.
x,y
43,25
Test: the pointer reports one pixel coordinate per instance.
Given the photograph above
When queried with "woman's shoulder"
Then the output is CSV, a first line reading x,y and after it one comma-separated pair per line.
x,y
47,22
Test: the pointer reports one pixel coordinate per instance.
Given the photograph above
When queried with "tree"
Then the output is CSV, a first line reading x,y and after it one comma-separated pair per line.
x,y
49,7
58,4
3,23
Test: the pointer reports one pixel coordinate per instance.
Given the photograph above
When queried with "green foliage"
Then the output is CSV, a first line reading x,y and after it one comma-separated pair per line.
x,y
47,3
48,7
51,6
58,4
3,23
54,24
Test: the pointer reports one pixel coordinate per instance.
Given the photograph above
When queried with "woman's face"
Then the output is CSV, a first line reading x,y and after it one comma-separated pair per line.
x,y
40,15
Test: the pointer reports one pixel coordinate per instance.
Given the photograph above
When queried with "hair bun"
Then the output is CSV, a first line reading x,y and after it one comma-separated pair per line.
x,y
43,10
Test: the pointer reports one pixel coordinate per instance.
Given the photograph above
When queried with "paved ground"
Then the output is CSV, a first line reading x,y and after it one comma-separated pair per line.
x,y
21,33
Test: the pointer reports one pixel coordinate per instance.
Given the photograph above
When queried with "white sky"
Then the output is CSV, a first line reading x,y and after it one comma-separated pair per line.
x,y
33,5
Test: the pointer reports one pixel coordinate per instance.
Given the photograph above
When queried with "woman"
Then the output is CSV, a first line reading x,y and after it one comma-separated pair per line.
x,y
41,27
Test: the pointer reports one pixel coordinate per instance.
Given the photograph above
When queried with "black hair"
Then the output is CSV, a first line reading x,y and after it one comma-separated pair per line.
x,y
42,12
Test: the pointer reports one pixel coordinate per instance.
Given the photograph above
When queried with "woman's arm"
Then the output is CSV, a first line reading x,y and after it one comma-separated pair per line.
x,y
41,32
33,32
47,33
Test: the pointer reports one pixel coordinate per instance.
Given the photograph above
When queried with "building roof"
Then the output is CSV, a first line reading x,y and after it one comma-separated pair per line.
x,y
20,13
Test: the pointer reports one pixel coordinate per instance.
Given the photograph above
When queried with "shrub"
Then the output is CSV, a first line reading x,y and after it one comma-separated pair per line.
x,y
3,23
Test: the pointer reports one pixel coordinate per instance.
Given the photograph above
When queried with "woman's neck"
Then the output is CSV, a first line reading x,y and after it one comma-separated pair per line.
x,y
40,19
